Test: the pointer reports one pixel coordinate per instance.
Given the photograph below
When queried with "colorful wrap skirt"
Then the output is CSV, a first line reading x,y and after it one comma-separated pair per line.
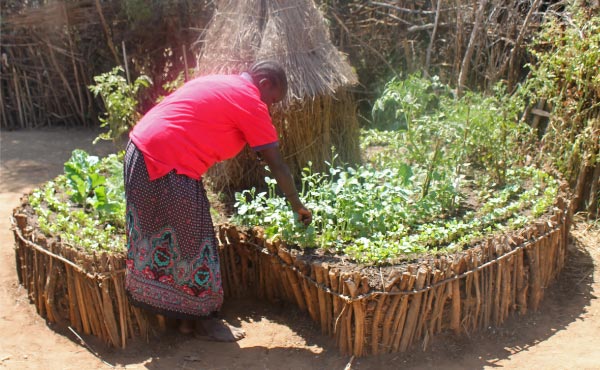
x,y
172,257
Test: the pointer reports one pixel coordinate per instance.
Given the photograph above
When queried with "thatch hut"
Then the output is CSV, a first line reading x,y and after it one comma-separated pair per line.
x,y
318,113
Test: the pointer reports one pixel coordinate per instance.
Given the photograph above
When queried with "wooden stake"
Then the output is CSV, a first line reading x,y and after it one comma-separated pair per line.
x,y
497,293
455,316
348,339
49,289
328,299
121,301
297,290
321,298
534,277
185,62
400,320
312,303
125,62
109,315
389,323
358,309
516,271
431,312
375,329
522,277
81,304
413,311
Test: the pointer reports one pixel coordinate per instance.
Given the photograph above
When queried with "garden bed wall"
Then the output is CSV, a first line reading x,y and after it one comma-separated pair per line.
x,y
371,310
368,310
66,286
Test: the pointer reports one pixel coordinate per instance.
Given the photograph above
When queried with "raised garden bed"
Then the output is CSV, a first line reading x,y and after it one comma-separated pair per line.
x,y
367,309
443,227
372,310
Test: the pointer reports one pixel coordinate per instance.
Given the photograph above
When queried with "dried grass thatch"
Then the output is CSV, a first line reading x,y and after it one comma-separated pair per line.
x,y
318,112
292,32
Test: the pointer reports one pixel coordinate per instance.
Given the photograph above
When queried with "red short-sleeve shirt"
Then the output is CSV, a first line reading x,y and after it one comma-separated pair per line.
x,y
207,120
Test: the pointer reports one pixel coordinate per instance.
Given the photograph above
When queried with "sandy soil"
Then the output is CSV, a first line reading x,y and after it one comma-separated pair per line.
x,y
563,334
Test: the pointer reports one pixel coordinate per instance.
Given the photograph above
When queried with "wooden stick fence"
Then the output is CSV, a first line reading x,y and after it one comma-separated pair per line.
x,y
465,292
84,291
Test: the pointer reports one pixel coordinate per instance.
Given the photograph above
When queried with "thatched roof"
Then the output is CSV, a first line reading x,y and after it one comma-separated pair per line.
x,y
292,32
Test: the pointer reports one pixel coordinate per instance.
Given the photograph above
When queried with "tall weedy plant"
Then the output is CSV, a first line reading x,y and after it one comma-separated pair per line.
x,y
566,76
120,100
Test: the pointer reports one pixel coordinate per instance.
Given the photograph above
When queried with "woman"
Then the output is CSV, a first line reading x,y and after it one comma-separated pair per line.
x,y
172,261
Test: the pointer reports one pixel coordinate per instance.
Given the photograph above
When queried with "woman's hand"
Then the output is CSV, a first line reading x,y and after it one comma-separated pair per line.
x,y
281,172
304,215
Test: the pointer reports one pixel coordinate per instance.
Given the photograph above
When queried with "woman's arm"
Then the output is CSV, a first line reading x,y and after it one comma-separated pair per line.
x,y
281,172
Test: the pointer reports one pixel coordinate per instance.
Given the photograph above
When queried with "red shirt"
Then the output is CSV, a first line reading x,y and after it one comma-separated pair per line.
x,y
207,120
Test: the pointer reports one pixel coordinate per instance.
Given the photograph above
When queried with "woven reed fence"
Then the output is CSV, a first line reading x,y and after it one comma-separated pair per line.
x,y
403,305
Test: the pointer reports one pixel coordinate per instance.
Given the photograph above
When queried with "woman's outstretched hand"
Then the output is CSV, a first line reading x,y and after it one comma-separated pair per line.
x,y
281,172
304,216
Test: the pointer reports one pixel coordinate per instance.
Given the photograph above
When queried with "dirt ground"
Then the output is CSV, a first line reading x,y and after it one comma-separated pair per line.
x,y
563,334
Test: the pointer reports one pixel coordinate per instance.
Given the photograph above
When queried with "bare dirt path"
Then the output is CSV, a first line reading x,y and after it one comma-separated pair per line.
x,y
563,334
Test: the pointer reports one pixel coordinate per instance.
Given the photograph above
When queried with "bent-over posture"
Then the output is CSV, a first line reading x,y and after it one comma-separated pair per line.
x,y
172,257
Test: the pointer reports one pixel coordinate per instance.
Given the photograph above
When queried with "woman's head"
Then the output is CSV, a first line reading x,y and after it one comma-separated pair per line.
x,y
270,79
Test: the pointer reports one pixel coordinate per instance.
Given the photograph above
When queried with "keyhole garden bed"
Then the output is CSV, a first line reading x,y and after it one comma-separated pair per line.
x,y
443,227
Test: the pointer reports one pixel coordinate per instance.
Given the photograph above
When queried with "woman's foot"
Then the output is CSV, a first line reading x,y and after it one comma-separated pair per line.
x,y
186,327
220,331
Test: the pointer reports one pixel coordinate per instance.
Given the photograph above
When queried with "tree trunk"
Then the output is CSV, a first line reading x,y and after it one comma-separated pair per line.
x,y
433,33
466,63
512,74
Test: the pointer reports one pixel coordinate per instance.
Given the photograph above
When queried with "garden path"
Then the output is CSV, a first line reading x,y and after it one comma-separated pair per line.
x,y
563,334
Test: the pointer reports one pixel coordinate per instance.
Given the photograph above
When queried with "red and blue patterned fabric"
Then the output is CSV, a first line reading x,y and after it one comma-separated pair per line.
x,y
172,259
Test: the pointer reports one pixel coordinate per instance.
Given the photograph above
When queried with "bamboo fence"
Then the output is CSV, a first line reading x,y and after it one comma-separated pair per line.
x,y
465,292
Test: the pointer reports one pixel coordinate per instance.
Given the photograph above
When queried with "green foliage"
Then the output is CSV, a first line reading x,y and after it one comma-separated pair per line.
x,y
404,100
566,75
447,133
85,205
379,216
120,101
435,152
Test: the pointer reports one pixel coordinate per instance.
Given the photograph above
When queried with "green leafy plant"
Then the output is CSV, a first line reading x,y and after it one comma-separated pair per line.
x,y
85,206
564,79
407,198
120,101
97,185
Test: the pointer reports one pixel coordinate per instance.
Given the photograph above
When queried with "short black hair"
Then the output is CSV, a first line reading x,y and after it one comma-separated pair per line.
x,y
271,70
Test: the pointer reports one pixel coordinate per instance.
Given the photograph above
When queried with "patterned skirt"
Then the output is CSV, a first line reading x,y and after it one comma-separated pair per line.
x,y
172,257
